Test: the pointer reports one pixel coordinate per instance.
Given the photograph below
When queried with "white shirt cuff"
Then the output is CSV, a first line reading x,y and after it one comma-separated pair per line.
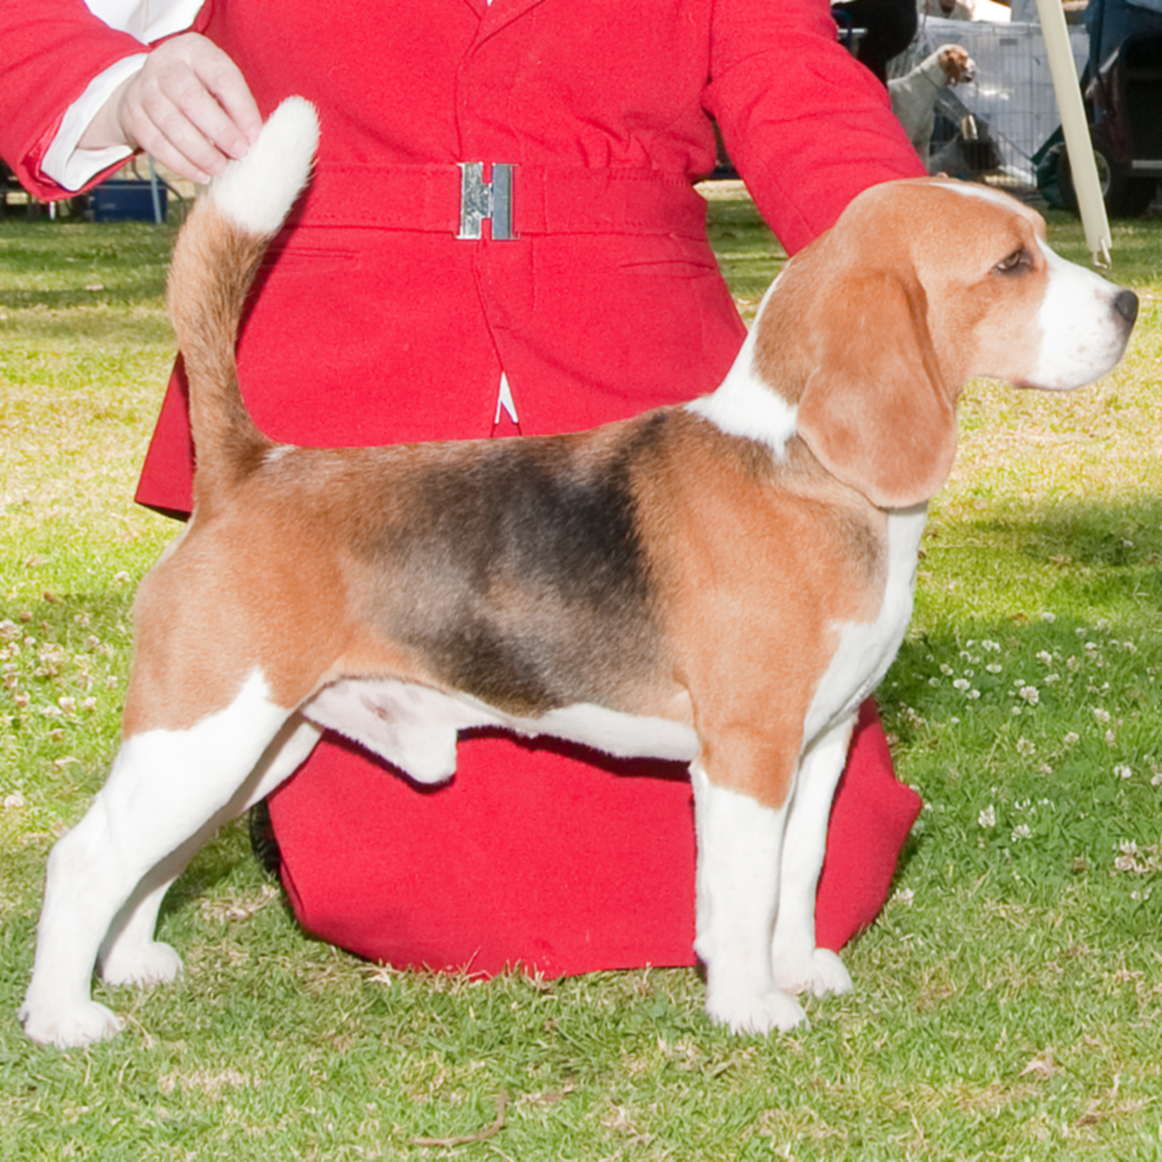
x,y
69,166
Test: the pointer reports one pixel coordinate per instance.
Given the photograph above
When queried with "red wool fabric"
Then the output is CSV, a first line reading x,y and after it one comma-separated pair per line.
x,y
470,882
372,323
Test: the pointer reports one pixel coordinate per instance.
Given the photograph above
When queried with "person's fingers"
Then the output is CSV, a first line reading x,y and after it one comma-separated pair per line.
x,y
190,107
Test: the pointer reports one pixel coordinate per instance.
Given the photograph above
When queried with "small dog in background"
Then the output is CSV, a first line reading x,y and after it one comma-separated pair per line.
x,y
914,94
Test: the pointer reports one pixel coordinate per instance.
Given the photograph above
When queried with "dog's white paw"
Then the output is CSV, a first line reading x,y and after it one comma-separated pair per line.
x,y
756,1013
152,963
821,973
71,1028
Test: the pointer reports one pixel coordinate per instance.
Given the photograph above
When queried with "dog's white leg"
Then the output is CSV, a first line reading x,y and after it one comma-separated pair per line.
x,y
740,844
165,786
129,954
799,966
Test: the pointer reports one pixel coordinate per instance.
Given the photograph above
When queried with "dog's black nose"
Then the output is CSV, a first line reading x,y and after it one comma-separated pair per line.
x,y
1126,304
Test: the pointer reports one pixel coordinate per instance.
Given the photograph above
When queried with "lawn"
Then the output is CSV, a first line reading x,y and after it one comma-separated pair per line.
x,y
1008,1003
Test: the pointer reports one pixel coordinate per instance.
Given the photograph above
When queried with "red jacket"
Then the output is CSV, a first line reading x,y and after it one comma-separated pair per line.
x,y
374,323
608,302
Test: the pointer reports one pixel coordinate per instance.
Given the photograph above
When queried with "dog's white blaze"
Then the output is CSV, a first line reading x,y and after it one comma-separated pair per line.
x,y
415,727
974,190
1079,341
740,844
164,788
743,405
258,191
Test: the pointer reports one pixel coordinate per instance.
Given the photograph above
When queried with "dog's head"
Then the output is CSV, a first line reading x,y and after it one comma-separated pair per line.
x,y
955,63
872,331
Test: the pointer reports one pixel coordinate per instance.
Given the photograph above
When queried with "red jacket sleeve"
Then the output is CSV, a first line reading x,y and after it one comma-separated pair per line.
x,y
51,50
806,125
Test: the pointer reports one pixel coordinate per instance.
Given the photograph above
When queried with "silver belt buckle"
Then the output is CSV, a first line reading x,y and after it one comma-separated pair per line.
x,y
480,199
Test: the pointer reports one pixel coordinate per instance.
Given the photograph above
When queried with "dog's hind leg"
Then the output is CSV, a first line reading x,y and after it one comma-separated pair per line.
x,y
799,966
129,954
165,788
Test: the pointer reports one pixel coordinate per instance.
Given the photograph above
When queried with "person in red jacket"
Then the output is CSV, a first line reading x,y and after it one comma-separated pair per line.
x,y
389,312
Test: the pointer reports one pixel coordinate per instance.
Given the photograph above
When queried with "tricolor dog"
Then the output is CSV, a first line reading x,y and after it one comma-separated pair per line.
x,y
721,583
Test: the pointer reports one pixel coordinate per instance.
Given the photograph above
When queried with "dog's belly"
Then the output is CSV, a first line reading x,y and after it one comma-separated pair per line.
x,y
415,727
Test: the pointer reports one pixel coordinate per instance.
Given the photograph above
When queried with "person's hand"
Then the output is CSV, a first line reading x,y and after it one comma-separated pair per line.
x,y
189,107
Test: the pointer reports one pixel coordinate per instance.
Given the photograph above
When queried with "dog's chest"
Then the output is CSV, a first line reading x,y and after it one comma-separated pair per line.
x,y
867,649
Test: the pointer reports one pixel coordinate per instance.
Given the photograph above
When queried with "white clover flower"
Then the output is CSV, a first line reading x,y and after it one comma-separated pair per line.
x,y
1021,832
994,667
1071,739
1045,657
905,896
1102,625
973,694
1109,739
1030,694
988,817
1051,678
1026,747
1100,714
960,684
993,646
13,802
1123,772
946,669
1048,617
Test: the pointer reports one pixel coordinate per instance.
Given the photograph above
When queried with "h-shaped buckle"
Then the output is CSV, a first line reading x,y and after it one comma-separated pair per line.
x,y
480,199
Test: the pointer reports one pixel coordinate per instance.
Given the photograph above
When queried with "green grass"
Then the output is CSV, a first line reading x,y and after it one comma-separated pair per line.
x,y
1009,1001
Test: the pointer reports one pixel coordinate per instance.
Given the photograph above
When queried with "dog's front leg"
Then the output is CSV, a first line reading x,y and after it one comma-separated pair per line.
x,y
740,844
165,786
799,966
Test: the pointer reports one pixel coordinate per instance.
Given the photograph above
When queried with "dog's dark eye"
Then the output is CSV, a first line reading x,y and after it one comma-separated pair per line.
x,y
1017,261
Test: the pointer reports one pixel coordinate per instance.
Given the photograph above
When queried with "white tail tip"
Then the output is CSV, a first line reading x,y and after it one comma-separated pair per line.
x,y
257,192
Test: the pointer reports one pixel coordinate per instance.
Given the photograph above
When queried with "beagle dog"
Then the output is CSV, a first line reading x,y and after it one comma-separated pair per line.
x,y
721,583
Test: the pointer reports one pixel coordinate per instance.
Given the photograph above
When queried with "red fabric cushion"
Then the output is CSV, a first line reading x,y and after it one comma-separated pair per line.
x,y
531,856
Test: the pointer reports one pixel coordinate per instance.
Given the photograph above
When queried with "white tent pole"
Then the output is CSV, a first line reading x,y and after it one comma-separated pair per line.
x,y
1082,166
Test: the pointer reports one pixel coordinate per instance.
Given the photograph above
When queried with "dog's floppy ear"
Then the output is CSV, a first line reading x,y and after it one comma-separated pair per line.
x,y
875,410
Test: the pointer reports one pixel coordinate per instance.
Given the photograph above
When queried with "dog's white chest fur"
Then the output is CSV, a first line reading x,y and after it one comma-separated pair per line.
x,y
867,649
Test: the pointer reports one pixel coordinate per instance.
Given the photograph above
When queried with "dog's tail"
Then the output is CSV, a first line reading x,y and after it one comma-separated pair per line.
x,y
215,260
